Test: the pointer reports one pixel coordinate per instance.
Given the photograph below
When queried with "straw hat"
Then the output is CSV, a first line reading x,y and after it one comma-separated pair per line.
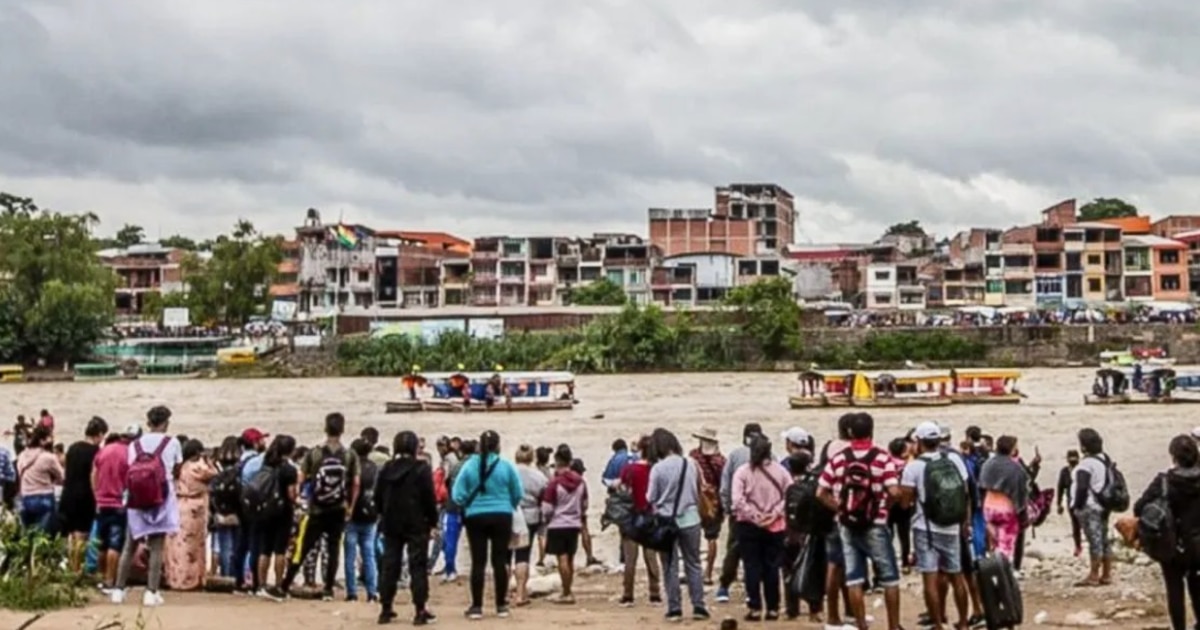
x,y
706,435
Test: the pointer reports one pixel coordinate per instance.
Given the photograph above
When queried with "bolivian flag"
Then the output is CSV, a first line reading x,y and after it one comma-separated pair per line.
x,y
345,236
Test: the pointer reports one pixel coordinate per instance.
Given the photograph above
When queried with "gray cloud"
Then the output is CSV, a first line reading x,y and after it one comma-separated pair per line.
x,y
535,116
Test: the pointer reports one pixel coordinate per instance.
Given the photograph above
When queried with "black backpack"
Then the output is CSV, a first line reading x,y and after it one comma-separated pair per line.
x,y
364,508
859,506
1157,529
329,484
227,491
800,504
262,498
1114,495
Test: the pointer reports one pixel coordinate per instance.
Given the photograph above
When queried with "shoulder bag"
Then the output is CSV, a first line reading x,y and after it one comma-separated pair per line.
x,y
659,533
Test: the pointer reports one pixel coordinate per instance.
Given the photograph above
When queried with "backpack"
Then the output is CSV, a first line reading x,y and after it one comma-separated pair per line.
x,y
1114,496
945,492
329,484
146,480
800,504
1157,529
227,491
364,507
708,503
859,504
262,499
618,510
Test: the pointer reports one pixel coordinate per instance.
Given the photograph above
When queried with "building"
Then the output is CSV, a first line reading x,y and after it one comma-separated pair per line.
x,y
287,280
1173,225
1192,241
748,220
141,270
894,286
1156,268
769,206
410,265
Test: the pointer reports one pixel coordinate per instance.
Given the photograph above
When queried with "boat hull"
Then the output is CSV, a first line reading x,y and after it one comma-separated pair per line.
x,y
813,402
902,402
168,377
1126,399
986,399
107,377
446,405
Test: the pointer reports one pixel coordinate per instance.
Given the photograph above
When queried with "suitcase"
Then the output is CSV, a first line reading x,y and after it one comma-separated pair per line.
x,y
999,592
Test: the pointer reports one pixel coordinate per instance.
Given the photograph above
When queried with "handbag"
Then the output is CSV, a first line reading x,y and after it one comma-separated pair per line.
x,y
808,571
520,531
659,533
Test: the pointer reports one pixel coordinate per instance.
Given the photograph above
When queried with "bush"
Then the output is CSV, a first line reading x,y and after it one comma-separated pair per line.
x,y
33,573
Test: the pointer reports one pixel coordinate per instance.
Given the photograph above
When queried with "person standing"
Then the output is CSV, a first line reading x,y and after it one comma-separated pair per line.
x,y
334,472
362,528
1180,486
404,499
78,502
616,463
759,492
108,485
153,508
733,558
708,457
533,483
673,490
1062,496
564,509
1006,484
185,557
1091,475
39,473
449,514
635,479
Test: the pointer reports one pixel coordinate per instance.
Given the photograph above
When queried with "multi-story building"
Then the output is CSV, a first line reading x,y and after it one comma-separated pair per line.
x,y
1191,240
287,280
141,270
410,265
894,286
955,285
1155,268
772,209
1176,224
749,220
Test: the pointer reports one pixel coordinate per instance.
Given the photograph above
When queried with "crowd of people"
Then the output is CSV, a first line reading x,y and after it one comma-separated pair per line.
x,y
810,526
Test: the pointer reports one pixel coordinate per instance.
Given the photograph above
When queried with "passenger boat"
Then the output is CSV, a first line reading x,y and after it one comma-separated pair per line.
x,y
1132,387
167,372
522,391
98,372
822,389
912,388
985,387
12,373
1148,357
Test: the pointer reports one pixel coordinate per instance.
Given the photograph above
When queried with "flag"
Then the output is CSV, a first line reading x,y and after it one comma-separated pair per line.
x,y
345,236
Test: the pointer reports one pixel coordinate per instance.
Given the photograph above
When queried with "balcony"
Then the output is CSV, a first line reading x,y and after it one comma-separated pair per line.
x,y
511,280
485,255
484,279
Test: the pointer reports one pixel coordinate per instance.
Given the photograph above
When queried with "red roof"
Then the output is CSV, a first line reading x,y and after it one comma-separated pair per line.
x,y
439,240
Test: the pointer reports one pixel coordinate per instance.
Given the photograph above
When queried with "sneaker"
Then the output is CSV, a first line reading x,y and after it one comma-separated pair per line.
x,y
474,614
263,593
372,599
117,596
151,599
772,615
449,578
700,613
674,616
722,596
424,618
977,621
351,598
924,621
502,612
626,602
327,595
656,600
387,616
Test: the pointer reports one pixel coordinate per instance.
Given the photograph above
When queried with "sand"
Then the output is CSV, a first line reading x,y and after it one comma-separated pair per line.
x,y
611,407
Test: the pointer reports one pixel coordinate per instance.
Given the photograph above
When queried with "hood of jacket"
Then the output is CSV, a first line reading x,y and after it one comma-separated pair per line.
x,y
399,468
569,480
1184,482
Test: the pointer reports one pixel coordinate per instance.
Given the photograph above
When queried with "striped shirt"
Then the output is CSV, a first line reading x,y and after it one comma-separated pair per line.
x,y
884,474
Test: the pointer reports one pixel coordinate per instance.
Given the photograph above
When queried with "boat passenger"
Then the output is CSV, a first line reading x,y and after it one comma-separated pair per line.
x,y
460,385
412,380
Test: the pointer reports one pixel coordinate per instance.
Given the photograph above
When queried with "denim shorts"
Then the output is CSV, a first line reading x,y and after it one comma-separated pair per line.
x,y
1094,522
110,528
937,552
873,545
833,549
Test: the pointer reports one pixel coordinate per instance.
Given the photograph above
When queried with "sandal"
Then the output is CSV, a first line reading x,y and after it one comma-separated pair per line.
x,y
522,603
568,600
1086,584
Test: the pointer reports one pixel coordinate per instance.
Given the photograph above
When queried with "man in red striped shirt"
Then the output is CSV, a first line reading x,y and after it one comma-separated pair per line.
x,y
859,482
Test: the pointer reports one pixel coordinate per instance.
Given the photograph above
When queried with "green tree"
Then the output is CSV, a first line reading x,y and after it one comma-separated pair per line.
x,y
908,228
768,311
1106,208
68,319
233,284
154,303
129,235
602,292
177,241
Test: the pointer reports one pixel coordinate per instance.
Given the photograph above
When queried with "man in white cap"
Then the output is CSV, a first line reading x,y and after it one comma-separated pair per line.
x,y
936,484
795,439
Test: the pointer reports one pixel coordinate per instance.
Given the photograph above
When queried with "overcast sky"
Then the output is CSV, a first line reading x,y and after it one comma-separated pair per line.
x,y
552,117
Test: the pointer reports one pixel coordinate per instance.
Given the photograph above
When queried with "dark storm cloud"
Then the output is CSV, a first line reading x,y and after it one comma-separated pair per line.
x,y
542,116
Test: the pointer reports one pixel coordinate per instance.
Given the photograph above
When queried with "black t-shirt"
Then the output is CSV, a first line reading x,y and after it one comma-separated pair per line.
x,y
288,477
77,478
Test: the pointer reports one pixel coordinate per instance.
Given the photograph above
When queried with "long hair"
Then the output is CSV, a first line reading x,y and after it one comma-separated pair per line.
x,y
280,450
230,451
192,449
760,452
489,443
664,444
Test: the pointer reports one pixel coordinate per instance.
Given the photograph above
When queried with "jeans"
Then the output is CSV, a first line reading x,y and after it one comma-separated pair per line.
x,y
733,557
360,538
873,544
488,536
451,532
245,547
394,548
330,525
225,539
762,554
154,568
687,546
630,549
1177,576
938,552
37,512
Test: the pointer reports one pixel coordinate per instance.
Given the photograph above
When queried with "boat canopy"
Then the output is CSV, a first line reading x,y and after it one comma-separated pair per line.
x,y
985,373
507,377
1188,381
911,376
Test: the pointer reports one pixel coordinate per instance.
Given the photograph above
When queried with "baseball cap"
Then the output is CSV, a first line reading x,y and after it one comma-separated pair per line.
x,y
253,436
132,431
945,431
1196,433
928,431
796,435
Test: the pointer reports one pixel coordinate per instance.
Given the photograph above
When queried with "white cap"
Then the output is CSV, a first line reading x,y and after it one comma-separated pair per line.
x,y
945,431
132,431
928,431
796,435
1196,433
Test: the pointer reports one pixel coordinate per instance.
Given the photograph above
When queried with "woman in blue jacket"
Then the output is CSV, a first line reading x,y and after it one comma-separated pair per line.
x,y
487,491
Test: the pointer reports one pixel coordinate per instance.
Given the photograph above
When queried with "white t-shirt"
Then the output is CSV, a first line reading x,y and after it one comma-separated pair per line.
x,y
914,477
172,455
1097,467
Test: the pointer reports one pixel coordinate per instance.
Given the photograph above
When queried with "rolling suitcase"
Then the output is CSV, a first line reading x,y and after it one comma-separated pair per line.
x,y
999,592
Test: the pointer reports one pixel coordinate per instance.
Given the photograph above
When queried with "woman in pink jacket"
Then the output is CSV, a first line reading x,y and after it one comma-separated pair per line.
x,y
759,489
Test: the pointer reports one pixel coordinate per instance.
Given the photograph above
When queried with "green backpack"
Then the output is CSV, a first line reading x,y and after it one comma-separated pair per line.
x,y
945,492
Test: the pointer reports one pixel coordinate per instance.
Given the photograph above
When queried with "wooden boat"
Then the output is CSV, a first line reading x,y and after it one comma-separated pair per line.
x,y
12,373
985,387
237,356
911,388
1147,357
1128,387
521,391
98,372
167,372
822,389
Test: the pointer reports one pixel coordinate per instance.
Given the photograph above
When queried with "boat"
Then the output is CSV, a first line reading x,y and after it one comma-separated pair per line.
x,y
1147,357
985,386
910,388
167,372
98,372
1132,387
822,389
12,373
237,356
523,391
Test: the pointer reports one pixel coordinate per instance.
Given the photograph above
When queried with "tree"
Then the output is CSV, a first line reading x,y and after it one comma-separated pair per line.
x,y
130,235
768,311
602,292
908,228
68,319
177,241
233,284
154,303
1106,208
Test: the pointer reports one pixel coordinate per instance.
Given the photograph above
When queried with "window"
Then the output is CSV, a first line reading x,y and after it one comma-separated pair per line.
x,y
1018,287
1094,285
1049,286
1170,283
1017,261
883,275
364,277
883,298
1093,259
995,286
1169,257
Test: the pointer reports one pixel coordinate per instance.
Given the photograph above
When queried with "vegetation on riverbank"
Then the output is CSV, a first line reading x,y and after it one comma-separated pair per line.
x,y
33,574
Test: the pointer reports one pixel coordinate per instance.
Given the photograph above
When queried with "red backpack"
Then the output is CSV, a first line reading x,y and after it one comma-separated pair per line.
x,y
146,480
